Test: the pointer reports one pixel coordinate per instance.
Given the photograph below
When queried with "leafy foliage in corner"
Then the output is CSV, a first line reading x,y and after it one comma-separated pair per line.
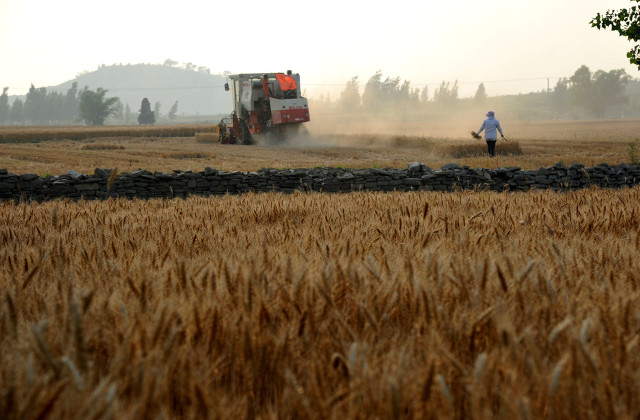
x,y
625,22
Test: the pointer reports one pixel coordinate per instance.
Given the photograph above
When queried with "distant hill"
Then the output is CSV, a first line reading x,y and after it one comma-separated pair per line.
x,y
197,91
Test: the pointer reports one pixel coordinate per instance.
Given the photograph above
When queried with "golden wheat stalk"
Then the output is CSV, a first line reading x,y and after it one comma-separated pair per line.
x,y
112,178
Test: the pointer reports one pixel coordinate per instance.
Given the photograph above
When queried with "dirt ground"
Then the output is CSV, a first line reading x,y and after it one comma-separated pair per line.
x,y
340,144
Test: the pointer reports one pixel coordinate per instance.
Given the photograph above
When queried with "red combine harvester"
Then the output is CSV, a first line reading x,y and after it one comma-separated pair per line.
x,y
267,105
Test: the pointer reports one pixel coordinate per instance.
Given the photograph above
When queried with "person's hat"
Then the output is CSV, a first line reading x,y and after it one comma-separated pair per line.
x,y
490,114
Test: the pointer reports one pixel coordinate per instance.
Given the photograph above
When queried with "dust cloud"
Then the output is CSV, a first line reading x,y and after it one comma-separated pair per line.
x,y
395,127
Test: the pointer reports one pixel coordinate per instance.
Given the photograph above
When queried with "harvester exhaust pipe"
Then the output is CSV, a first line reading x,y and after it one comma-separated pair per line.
x,y
265,85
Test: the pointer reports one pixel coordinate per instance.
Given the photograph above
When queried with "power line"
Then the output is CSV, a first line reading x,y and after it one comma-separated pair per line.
x,y
136,89
502,81
174,88
459,83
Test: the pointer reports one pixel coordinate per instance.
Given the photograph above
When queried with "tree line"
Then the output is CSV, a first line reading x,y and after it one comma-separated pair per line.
x,y
585,94
594,92
42,107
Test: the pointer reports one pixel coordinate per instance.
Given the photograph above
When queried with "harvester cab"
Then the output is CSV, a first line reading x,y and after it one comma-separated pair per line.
x,y
265,105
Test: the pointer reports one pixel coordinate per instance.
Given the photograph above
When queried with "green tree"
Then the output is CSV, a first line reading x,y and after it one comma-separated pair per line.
x,y
581,86
424,95
35,105
4,106
156,110
372,94
41,106
392,92
54,107
146,115
95,108
382,95
560,99
118,112
408,95
127,114
71,103
598,91
173,110
480,97
17,111
350,96
446,95
625,22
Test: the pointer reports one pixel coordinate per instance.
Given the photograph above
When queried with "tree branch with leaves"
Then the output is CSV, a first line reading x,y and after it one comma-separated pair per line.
x,y
625,22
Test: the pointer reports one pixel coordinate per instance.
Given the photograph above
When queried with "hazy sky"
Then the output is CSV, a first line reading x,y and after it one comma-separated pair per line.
x,y
502,43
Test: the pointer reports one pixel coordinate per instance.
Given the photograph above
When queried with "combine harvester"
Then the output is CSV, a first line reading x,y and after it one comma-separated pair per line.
x,y
267,108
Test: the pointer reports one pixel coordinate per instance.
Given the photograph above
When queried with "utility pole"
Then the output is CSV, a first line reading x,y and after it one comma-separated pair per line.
x,y
549,99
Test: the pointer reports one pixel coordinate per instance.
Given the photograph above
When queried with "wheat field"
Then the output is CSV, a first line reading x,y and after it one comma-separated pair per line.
x,y
364,305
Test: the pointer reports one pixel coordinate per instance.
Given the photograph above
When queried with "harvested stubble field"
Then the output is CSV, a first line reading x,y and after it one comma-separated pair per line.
x,y
35,134
532,145
365,305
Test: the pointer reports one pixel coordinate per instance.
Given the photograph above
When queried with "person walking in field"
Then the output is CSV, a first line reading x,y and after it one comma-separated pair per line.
x,y
491,126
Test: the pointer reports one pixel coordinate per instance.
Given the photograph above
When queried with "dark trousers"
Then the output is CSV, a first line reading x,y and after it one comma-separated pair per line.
x,y
491,147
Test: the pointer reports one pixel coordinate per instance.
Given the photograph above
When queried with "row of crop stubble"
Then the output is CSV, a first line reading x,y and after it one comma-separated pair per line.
x,y
430,305
31,134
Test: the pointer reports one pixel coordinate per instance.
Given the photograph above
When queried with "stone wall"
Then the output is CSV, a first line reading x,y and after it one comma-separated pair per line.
x,y
145,184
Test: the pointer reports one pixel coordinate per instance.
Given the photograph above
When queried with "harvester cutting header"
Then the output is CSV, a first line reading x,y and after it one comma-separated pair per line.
x,y
267,104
